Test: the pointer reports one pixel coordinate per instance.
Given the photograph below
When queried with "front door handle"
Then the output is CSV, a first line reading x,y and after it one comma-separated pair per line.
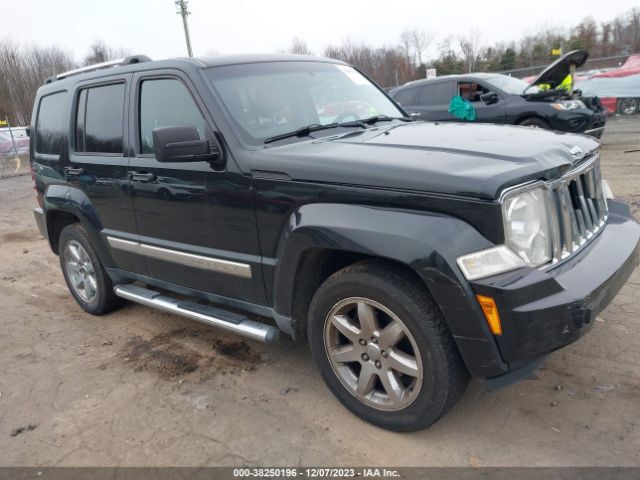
x,y
141,176
73,172
414,114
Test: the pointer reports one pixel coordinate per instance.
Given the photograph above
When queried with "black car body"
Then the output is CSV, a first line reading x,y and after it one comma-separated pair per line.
x,y
280,220
502,99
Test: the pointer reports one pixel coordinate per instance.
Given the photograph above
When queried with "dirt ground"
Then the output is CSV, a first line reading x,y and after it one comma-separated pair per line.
x,y
143,388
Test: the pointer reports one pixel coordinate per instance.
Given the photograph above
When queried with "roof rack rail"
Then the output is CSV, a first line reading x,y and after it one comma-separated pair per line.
x,y
98,66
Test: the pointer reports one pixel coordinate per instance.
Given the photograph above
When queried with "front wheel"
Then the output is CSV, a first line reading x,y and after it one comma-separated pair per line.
x,y
383,349
534,122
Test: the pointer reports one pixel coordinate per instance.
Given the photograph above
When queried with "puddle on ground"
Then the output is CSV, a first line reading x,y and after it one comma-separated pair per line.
x,y
177,354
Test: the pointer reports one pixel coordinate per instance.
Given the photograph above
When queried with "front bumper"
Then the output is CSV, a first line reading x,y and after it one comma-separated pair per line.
x,y
583,121
542,311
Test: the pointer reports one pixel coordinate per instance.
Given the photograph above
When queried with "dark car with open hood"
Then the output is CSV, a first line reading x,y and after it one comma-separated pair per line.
x,y
410,255
548,102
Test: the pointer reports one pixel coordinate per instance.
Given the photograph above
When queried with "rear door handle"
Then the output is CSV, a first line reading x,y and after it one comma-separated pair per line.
x,y
73,172
141,176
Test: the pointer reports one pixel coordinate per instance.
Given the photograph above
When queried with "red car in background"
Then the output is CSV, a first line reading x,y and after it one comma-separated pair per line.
x,y
618,89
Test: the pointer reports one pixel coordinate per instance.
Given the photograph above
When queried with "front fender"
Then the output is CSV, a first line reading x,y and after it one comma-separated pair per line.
x,y
428,243
73,201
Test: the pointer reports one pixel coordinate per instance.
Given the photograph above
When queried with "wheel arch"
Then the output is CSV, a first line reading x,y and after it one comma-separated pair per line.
x,y
65,205
323,238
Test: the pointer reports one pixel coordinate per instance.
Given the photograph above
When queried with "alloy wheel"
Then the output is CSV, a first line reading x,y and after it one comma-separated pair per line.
x,y
373,354
80,271
628,106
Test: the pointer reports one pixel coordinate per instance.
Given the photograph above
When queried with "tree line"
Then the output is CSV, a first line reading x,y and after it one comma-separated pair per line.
x,y
397,64
24,68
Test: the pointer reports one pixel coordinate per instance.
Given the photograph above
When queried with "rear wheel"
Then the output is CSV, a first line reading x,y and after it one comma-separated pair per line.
x,y
382,347
534,122
628,106
85,276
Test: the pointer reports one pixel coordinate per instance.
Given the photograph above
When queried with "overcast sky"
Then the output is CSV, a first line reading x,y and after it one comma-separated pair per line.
x,y
152,27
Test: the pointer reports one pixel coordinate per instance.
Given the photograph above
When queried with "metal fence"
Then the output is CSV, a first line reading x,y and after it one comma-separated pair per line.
x,y
591,64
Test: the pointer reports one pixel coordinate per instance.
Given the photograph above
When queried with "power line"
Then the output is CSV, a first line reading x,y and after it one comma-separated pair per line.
x,y
181,5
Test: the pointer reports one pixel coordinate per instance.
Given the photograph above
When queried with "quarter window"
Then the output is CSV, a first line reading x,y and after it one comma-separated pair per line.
x,y
50,125
166,102
99,119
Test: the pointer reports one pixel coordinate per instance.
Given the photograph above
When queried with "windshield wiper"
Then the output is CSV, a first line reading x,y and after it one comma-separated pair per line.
x,y
314,127
301,132
374,119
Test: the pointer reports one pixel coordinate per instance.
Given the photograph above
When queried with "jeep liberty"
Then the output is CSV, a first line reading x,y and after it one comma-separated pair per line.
x,y
410,255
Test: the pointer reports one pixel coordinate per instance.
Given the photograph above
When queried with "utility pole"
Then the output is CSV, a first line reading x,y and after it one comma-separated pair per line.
x,y
182,10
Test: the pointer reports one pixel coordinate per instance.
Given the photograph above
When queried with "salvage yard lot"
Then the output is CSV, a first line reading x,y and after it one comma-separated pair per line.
x,y
144,388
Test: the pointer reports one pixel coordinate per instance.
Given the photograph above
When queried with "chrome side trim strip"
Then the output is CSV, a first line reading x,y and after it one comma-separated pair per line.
x,y
125,245
188,259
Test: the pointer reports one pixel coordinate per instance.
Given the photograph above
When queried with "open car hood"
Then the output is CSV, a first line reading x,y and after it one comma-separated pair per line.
x,y
555,73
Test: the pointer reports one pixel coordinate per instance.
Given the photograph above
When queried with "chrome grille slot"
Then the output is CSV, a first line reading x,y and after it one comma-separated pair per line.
x,y
582,209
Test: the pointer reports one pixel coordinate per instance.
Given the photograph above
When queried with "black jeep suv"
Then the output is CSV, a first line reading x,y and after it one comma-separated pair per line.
x,y
409,254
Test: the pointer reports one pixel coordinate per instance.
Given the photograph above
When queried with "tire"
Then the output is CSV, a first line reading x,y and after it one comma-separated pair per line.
x,y
79,264
628,106
164,194
535,123
437,376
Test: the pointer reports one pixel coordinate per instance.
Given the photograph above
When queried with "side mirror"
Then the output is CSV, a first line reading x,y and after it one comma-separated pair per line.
x,y
28,131
489,98
183,144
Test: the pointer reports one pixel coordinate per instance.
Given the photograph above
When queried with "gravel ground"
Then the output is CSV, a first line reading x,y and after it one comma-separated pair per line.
x,y
143,388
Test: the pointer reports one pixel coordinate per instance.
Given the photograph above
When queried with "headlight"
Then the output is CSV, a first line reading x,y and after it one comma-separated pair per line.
x,y
527,227
568,105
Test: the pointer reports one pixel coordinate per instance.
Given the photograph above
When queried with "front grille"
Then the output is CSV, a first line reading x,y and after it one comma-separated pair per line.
x,y
582,209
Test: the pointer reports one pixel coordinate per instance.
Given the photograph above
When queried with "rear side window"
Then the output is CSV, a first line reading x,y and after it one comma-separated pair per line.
x,y
166,102
99,119
436,94
406,97
51,124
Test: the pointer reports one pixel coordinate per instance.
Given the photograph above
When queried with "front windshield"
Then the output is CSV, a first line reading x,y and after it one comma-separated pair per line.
x,y
269,99
511,85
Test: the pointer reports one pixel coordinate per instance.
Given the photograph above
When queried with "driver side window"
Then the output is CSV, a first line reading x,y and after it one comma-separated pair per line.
x,y
471,91
166,102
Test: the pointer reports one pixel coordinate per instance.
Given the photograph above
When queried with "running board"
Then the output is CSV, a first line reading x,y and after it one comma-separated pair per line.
x,y
215,317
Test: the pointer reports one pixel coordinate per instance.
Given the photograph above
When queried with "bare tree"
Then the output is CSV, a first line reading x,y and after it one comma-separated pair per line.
x,y
471,48
24,69
100,52
299,46
413,43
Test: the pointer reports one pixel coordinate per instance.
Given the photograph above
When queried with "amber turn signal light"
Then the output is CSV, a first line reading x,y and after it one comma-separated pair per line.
x,y
490,311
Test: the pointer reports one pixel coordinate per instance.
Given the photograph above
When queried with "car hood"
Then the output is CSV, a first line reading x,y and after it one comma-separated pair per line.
x,y
555,73
477,160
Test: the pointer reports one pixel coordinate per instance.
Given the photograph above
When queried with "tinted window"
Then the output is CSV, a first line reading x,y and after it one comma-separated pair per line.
x,y
166,103
51,123
406,97
99,119
436,94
